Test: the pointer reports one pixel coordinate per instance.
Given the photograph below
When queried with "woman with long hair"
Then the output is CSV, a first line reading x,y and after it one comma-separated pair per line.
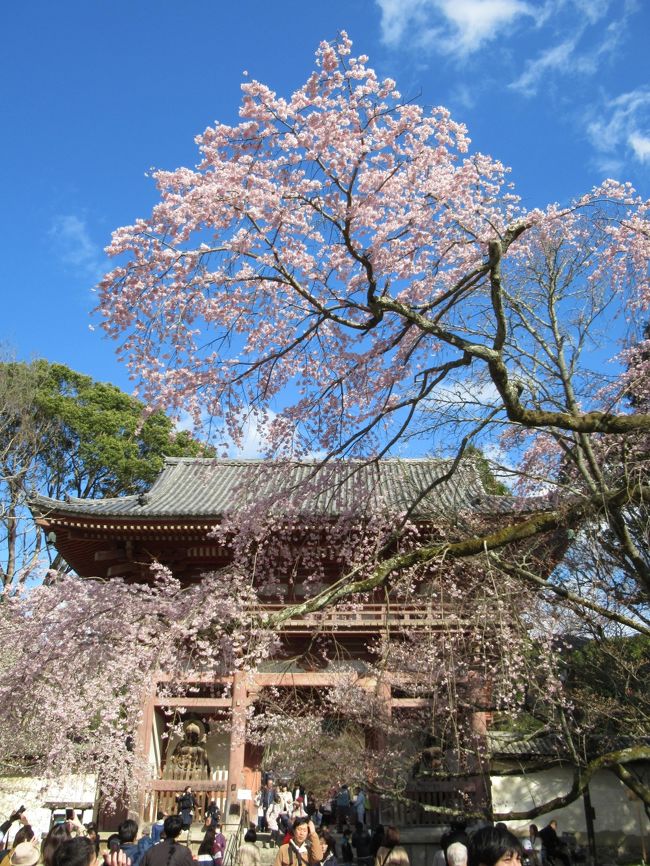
x,y
57,836
205,848
391,852
329,848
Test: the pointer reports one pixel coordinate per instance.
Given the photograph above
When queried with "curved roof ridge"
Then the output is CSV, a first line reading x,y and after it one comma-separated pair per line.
x,y
210,488
313,461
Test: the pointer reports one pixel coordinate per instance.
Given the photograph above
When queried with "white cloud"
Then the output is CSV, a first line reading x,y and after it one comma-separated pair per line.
x,y
255,438
559,57
576,36
464,96
253,443
568,56
504,464
610,166
396,16
477,21
74,247
592,10
620,128
453,26
640,144
465,394
184,423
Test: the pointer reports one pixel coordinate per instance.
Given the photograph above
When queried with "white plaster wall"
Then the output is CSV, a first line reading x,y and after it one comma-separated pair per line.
x,y
16,791
617,817
155,752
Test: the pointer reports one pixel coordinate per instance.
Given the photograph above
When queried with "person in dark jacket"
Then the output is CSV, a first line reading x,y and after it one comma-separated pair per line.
x,y
456,833
377,840
213,814
168,852
186,804
157,827
361,843
556,851
128,831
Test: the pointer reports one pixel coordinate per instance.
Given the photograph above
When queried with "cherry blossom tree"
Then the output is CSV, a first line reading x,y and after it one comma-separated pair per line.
x,y
342,269
80,657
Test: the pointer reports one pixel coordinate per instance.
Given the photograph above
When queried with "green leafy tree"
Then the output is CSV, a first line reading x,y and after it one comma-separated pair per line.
x,y
608,679
64,434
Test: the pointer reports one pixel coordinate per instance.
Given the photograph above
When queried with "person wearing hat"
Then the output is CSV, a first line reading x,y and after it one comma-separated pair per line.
x,y
25,834
25,854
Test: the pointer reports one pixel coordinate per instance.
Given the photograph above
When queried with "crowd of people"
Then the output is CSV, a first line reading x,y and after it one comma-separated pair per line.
x,y
306,834
307,845
71,843
304,831
278,806
540,848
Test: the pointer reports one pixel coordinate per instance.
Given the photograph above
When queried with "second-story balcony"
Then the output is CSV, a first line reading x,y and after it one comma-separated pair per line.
x,y
367,619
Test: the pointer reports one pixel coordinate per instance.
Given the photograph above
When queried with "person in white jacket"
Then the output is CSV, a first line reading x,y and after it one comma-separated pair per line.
x,y
273,816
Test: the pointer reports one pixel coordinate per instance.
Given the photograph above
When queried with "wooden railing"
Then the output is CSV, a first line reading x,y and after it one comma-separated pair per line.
x,y
450,795
235,839
166,791
366,619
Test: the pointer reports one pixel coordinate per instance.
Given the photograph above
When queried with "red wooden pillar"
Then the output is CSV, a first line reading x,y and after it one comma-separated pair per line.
x,y
376,737
143,807
237,742
479,696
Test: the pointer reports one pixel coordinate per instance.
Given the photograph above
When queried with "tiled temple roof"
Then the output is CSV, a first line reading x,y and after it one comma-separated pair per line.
x,y
210,488
510,746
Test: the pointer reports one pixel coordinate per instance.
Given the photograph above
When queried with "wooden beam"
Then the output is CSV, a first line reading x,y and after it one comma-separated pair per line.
x,y
297,679
289,679
221,680
107,555
124,568
144,738
207,703
181,784
416,703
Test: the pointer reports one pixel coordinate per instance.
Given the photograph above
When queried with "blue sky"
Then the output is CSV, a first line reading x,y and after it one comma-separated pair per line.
x,y
95,93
